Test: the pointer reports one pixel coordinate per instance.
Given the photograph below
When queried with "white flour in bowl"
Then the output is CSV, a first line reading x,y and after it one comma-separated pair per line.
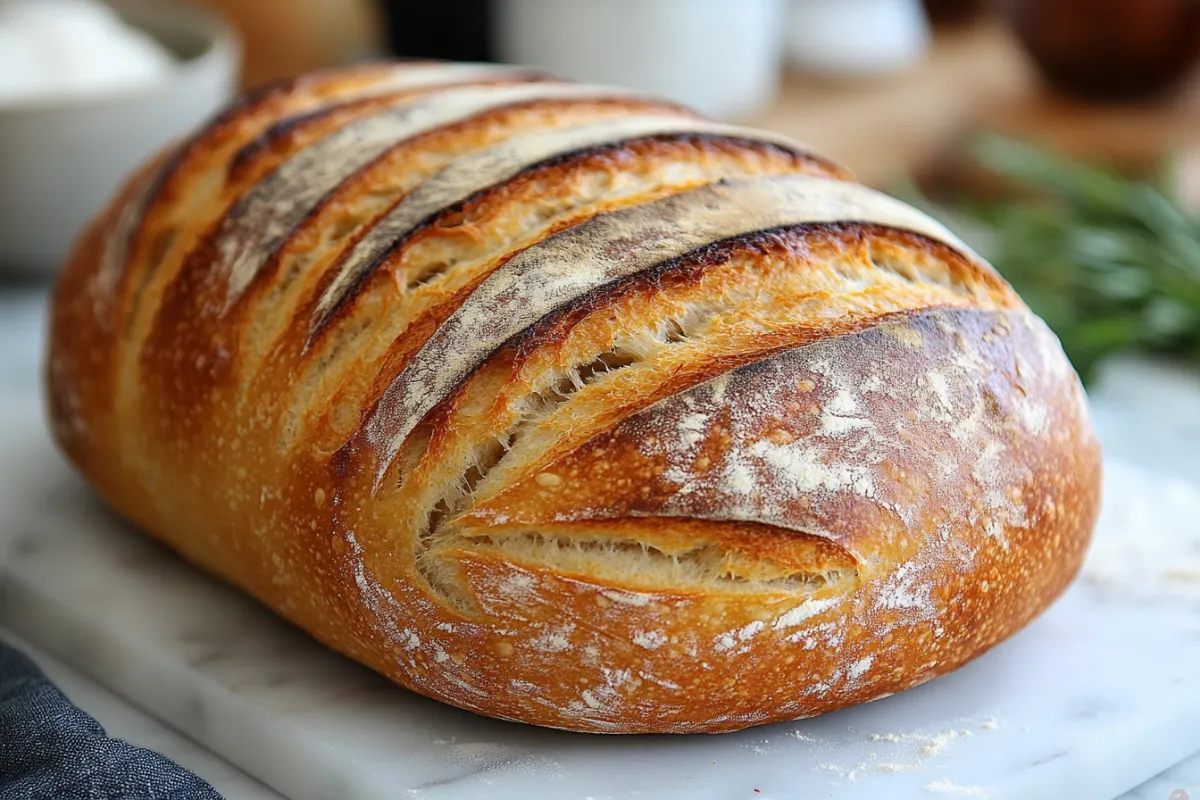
x,y
53,49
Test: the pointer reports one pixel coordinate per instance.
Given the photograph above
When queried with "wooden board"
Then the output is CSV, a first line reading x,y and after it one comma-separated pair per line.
x,y
973,79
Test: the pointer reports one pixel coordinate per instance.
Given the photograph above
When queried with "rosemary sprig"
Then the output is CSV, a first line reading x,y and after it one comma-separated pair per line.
x,y
1112,264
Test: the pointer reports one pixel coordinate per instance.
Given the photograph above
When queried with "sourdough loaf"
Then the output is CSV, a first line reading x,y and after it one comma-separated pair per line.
x,y
564,405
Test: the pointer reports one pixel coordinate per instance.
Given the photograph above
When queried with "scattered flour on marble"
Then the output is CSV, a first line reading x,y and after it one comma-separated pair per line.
x,y
939,742
945,786
906,752
542,768
871,764
1147,542
761,747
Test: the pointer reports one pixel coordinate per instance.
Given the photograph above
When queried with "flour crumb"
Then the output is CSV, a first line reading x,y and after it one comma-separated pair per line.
x,y
516,584
859,668
939,742
944,786
555,641
751,629
651,640
809,608
738,478
692,428
888,737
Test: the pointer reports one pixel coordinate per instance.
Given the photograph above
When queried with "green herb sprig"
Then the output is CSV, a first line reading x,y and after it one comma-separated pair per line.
x,y
1112,264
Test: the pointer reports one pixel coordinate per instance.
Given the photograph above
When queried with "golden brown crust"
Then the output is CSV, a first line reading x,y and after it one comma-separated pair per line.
x,y
676,430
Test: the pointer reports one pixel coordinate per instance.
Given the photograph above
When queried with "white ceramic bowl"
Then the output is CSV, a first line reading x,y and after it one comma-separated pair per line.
x,y
61,159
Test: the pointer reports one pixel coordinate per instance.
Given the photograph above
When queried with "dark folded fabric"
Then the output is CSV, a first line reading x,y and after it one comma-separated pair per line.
x,y
50,750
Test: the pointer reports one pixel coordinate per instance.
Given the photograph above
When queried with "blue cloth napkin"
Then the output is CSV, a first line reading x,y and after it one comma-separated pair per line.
x,y
50,750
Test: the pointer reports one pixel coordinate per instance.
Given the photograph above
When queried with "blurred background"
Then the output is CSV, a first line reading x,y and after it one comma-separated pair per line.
x,y
882,84
1061,137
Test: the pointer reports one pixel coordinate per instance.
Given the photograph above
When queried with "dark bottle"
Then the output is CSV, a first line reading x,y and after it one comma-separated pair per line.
x,y
1109,49
457,30
954,12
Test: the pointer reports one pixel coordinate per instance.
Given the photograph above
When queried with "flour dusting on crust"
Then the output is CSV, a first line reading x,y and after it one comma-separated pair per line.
x,y
267,216
565,266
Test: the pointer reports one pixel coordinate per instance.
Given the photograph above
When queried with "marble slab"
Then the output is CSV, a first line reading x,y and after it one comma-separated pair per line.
x,y
1181,782
1098,695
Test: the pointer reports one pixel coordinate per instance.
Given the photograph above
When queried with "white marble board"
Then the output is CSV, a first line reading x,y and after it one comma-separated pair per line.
x,y
1098,695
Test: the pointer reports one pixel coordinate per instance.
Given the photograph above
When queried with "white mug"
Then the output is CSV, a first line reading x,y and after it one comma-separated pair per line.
x,y
721,57
856,38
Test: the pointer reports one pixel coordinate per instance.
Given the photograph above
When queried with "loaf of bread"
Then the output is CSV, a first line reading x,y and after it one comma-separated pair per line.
x,y
564,405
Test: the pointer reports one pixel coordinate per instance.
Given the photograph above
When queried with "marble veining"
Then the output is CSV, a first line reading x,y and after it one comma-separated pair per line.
x,y
1097,696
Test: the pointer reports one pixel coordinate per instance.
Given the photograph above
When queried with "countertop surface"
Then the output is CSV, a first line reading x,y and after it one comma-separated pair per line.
x,y
1148,413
